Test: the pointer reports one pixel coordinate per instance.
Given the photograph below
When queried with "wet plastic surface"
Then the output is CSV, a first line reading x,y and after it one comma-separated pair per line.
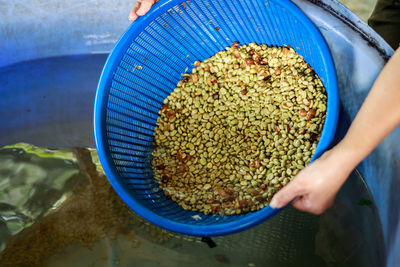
x,y
145,66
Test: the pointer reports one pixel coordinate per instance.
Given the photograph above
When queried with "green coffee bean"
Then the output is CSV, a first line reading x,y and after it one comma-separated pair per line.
x,y
238,128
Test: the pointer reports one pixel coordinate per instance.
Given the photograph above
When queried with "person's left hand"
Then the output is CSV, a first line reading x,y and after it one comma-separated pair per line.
x,y
141,8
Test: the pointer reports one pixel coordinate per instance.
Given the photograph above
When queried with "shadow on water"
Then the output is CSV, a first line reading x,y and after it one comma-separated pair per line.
x,y
92,227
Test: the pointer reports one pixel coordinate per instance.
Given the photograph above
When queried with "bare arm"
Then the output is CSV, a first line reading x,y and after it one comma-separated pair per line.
x,y
317,185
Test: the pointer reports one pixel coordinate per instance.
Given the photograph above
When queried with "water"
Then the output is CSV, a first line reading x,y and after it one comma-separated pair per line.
x,y
57,209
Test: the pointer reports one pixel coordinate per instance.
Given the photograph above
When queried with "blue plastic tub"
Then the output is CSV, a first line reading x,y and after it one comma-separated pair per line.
x,y
144,68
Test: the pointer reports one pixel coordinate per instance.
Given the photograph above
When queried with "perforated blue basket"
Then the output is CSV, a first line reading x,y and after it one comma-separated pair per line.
x,y
144,68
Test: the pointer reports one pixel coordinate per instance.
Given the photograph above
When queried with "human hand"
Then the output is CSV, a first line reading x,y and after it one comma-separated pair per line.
x,y
315,187
141,8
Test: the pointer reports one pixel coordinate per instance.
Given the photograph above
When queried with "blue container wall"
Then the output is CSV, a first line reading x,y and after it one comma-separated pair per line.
x,y
35,29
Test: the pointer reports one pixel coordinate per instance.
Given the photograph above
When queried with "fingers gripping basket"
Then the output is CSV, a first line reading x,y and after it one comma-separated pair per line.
x,y
144,68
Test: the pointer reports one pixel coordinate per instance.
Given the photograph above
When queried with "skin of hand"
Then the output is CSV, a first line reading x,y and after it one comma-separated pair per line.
x,y
315,187
141,8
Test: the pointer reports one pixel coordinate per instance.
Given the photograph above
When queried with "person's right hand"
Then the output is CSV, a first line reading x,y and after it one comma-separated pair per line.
x,y
141,8
315,187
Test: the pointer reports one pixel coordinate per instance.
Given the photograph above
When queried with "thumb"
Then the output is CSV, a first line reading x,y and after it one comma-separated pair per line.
x,y
132,15
285,195
145,7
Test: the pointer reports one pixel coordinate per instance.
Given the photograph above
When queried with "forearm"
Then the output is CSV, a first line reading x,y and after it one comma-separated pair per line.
x,y
378,116
315,187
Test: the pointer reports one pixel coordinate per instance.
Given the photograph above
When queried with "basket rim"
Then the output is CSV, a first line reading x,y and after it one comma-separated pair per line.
x,y
99,124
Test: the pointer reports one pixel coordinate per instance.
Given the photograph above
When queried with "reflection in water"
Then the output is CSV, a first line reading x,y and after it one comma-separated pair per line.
x,y
90,213
55,212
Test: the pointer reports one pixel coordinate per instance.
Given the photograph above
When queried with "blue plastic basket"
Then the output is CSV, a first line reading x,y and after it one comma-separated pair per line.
x,y
144,68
